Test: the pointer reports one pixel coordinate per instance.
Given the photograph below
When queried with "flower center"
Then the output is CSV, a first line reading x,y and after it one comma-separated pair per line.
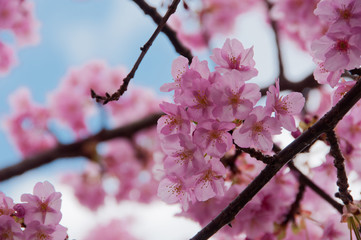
x,y
342,45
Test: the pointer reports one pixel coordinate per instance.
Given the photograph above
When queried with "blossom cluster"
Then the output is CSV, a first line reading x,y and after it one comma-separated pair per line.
x,y
212,111
37,217
16,16
339,48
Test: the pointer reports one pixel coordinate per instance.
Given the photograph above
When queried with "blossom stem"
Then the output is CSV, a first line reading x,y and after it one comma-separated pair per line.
x,y
169,32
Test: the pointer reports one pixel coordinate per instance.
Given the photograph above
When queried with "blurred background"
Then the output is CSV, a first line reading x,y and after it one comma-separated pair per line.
x,y
73,32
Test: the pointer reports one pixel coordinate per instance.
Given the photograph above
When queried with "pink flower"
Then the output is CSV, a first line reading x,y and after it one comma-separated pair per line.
x,y
343,13
213,137
234,56
234,99
324,76
183,156
179,68
175,121
36,230
342,88
257,130
339,50
173,189
43,205
196,96
285,107
210,181
6,205
9,229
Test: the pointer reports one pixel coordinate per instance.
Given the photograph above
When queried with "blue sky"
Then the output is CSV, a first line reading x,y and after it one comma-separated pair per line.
x,y
75,32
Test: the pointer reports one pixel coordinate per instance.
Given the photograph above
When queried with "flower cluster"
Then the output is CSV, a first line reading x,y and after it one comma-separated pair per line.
x,y
16,16
37,217
213,110
339,48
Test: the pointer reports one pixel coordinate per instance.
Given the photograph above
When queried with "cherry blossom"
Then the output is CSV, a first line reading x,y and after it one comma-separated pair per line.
x,y
9,229
43,205
36,230
213,137
257,130
233,56
285,107
338,50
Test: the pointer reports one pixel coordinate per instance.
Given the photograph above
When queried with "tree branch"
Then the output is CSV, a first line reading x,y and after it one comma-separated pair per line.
x,y
303,178
169,32
327,122
76,149
115,96
339,162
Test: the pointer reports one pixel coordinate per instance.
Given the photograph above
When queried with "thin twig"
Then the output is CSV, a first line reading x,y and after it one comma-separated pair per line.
x,y
76,149
314,187
294,209
274,26
169,32
327,122
266,159
339,162
115,96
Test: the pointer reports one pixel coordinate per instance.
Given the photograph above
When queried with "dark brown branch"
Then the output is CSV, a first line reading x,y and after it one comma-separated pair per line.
x,y
327,122
302,86
169,32
315,188
339,162
266,159
274,26
115,96
295,207
76,149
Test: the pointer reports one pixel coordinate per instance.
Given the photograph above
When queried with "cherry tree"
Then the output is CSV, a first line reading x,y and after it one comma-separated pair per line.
x,y
219,148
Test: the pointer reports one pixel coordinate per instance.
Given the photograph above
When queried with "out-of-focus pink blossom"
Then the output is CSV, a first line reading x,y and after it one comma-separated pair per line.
x,y
87,186
116,229
7,58
27,126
